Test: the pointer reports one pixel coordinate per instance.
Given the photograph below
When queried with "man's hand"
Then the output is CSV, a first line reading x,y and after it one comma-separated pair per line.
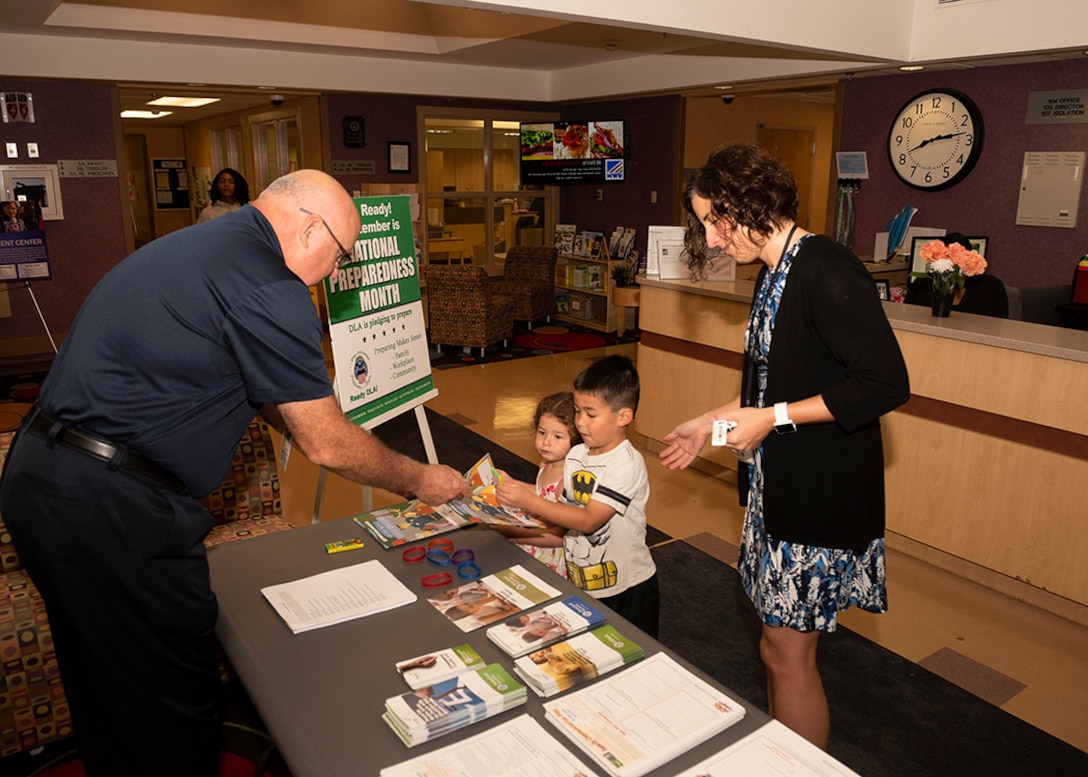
x,y
439,484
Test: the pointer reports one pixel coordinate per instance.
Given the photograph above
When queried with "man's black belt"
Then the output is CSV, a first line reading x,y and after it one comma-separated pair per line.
x,y
102,449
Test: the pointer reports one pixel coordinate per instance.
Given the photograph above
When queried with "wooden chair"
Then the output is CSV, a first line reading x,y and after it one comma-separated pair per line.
x,y
464,309
529,279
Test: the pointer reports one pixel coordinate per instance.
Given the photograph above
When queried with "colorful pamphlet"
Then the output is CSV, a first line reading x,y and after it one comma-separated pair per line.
x,y
581,658
545,626
430,668
564,238
635,720
428,713
415,520
492,598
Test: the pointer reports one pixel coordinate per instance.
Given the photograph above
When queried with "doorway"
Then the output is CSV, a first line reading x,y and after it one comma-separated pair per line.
x,y
797,150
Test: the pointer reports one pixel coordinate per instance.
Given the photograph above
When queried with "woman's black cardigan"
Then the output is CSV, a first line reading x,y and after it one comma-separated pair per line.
x,y
824,484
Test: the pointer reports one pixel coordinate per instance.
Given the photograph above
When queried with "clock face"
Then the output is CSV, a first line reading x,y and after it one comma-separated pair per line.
x,y
936,139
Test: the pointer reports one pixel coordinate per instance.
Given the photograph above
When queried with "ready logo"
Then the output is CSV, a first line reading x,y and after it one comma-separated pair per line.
x,y
613,169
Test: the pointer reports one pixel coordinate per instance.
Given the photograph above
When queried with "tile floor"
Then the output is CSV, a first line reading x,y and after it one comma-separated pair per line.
x,y
1032,664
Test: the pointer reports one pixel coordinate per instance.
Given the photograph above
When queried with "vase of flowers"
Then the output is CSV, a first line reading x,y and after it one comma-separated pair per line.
x,y
949,267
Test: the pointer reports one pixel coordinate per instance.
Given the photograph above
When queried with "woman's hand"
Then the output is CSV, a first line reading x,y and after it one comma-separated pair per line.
x,y
685,442
753,424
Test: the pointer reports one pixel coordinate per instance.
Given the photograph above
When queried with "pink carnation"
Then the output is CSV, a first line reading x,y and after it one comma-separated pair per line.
x,y
971,263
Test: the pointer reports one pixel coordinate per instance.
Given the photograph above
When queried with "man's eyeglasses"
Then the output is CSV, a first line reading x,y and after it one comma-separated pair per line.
x,y
345,254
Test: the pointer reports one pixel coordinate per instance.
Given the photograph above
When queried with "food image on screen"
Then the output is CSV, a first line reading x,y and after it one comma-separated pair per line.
x,y
536,141
573,143
605,140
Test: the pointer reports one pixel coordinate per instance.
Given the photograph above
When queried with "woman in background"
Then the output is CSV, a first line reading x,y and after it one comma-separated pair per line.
x,y
229,193
10,221
821,365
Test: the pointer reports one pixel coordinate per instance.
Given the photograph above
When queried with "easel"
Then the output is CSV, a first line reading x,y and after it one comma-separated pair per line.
x,y
368,491
42,317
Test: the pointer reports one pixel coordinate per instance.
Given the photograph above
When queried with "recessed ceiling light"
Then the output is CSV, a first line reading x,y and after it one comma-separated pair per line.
x,y
912,68
269,88
144,114
184,102
723,87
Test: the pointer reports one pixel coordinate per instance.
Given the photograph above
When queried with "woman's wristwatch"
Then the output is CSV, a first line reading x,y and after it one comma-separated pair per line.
x,y
782,422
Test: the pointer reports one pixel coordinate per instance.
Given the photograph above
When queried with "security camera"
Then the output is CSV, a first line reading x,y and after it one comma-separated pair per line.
x,y
728,99
277,99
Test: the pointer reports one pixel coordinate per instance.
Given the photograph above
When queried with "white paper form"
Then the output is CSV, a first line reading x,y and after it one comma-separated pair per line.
x,y
771,751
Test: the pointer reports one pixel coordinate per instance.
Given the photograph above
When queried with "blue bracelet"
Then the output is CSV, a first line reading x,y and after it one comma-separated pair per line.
x,y
469,570
438,557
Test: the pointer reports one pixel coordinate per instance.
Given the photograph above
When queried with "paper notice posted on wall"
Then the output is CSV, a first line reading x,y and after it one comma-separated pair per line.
x,y
337,595
673,238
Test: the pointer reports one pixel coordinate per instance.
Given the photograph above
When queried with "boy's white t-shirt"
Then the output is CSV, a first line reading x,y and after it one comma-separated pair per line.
x,y
615,557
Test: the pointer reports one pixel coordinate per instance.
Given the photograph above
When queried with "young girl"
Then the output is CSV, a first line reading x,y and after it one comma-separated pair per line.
x,y
555,435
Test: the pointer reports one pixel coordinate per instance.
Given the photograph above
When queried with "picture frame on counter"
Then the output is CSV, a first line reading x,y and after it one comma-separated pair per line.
x,y
883,289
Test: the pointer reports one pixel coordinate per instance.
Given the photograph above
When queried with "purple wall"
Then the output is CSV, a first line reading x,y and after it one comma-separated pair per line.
x,y
73,120
985,202
654,139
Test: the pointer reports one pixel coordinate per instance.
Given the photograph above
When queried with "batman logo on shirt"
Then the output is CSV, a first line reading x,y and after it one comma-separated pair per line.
x,y
583,482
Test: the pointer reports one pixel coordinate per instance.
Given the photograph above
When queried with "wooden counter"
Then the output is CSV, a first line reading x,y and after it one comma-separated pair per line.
x,y
987,464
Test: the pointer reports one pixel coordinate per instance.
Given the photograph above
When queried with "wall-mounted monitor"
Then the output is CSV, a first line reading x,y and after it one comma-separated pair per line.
x,y
572,152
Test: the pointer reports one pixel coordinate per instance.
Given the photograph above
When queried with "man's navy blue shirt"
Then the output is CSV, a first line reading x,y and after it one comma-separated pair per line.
x,y
178,346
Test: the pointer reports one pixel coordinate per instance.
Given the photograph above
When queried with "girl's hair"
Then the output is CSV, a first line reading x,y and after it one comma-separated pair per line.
x,y
746,186
241,188
561,406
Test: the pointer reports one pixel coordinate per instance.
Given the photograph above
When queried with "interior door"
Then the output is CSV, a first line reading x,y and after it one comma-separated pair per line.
x,y
797,149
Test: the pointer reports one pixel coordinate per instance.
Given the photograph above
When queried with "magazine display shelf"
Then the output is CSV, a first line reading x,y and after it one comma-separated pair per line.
x,y
606,315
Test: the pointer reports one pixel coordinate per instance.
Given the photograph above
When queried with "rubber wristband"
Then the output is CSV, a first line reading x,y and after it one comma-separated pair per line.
x,y
463,555
446,545
414,555
437,580
438,557
469,570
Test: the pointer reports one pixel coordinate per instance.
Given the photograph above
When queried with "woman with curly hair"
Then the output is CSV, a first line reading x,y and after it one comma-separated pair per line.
x,y
821,365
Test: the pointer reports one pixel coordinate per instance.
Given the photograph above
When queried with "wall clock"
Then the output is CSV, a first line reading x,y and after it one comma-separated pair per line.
x,y
935,139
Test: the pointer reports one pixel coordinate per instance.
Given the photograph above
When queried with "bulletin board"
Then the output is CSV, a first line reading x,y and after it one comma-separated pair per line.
x,y
171,181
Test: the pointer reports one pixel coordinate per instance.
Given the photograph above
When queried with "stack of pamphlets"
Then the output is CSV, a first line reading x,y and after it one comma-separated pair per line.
x,y
427,713
545,626
634,721
564,665
516,748
430,668
416,520
492,598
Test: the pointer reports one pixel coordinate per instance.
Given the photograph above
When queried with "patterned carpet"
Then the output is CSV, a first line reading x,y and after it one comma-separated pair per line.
x,y
542,340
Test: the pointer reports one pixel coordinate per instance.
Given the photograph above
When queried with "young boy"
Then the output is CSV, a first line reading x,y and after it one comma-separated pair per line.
x,y
605,489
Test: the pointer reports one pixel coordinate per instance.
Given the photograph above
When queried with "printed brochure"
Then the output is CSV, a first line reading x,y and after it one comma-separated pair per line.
x,y
492,598
522,635
575,661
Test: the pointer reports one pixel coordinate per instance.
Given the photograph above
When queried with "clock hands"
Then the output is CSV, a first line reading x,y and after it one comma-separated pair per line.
x,y
938,137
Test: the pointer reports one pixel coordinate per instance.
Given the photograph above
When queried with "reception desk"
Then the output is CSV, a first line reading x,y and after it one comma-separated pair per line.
x,y
987,464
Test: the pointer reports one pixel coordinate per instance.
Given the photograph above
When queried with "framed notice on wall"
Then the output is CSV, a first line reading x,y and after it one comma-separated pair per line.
x,y
171,182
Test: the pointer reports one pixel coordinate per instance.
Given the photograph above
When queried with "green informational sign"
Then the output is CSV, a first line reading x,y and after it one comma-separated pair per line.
x,y
379,339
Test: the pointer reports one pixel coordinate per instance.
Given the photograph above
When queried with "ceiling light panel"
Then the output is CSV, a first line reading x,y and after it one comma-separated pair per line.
x,y
184,102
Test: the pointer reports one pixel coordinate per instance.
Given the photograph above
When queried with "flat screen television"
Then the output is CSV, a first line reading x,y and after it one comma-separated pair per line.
x,y
572,152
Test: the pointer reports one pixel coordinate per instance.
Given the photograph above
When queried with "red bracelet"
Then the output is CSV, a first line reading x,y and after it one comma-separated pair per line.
x,y
414,555
446,545
437,580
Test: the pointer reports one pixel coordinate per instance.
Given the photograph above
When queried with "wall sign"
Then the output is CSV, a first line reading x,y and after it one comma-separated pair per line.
x,y
87,168
1068,106
354,130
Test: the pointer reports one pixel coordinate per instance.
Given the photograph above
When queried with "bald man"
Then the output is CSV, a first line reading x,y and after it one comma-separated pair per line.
x,y
170,357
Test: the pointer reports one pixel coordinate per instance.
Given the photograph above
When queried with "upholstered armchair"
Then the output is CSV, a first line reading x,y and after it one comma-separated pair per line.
x,y
465,309
528,278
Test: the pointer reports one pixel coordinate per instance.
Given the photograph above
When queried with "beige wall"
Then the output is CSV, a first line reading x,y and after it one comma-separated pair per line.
x,y
709,124
159,143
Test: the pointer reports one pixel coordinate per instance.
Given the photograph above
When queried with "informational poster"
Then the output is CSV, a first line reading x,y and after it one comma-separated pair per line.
x,y
171,184
376,322
23,255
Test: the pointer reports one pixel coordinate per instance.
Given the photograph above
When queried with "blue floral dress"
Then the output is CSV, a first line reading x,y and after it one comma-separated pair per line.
x,y
802,587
